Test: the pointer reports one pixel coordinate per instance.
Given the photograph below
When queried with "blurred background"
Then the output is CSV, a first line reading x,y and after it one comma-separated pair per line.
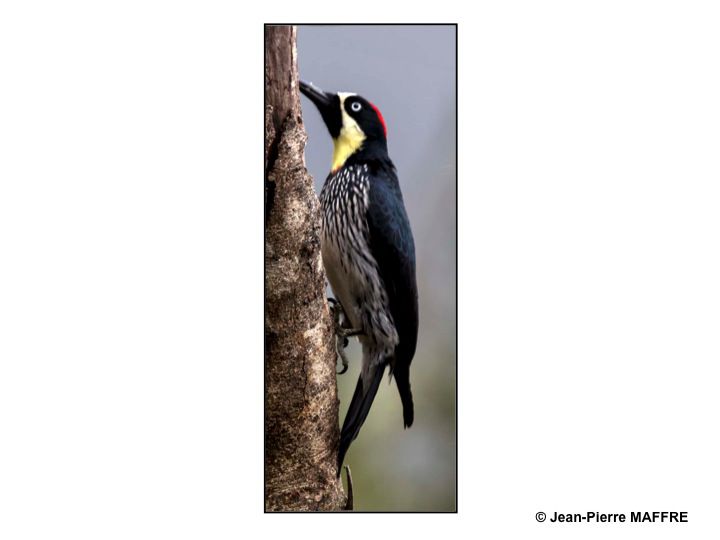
x,y
408,72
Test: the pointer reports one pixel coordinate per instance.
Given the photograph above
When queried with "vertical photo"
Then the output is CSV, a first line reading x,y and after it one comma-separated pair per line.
x,y
360,254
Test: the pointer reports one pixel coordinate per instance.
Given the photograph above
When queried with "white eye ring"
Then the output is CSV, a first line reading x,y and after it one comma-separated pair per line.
x,y
356,106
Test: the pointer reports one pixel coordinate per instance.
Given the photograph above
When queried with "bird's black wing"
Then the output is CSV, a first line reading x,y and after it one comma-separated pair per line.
x,y
392,246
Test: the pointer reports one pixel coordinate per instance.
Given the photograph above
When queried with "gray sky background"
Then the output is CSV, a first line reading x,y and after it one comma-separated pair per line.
x,y
408,72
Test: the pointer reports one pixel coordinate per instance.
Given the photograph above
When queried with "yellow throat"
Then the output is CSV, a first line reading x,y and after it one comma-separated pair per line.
x,y
350,139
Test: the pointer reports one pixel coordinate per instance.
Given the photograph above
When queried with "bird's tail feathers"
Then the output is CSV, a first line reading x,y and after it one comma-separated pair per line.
x,y
402,379
359,408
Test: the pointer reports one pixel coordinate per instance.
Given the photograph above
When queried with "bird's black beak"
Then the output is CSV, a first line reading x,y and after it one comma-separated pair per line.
x,y
314,94
328,105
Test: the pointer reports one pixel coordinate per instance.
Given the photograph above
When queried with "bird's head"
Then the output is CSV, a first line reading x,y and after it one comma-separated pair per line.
x,y
353,122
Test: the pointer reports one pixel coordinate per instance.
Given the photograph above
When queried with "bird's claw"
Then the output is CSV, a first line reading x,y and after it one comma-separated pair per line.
x,y
341,333
345,362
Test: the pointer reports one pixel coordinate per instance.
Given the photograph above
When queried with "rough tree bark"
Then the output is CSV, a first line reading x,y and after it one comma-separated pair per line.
x,y
301,404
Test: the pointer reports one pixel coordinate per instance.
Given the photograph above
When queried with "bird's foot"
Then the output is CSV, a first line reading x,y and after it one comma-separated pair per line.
x,y
343,358
340,320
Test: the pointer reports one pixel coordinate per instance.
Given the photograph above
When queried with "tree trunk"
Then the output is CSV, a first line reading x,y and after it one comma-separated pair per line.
x,y
301,404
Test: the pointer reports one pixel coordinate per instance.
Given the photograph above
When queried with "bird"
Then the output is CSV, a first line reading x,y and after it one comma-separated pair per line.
x,y
368,252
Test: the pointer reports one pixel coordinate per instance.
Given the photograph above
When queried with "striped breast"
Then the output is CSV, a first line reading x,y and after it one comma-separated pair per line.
x,y
350,266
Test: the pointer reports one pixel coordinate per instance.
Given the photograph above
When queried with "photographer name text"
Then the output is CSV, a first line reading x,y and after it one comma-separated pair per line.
x,y
634,517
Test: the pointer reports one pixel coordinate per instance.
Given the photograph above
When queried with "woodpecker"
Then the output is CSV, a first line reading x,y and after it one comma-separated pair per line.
x,y
368,251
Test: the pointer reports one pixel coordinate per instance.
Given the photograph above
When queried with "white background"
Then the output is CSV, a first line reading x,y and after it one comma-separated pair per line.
x,y
131,269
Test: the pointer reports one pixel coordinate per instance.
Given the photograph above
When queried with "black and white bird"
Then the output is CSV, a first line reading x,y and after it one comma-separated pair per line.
x,y
368,251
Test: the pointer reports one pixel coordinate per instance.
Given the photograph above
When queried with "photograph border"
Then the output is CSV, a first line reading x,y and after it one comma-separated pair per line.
x,y
457,466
